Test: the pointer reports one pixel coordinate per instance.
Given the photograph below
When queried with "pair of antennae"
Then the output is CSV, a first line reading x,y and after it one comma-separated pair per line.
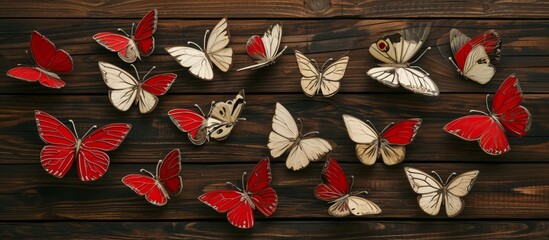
x,y
137,73
487,108
301,129
76,133
122,30
421,55
316,63
448,179
204,44
239,189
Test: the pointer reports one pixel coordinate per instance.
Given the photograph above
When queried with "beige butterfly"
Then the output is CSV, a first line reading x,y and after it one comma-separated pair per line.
x,y
315,80
395,51
125,89
433,192
199,61
285,136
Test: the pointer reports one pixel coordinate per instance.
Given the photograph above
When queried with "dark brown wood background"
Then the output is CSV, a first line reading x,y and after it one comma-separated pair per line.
x,y
509,200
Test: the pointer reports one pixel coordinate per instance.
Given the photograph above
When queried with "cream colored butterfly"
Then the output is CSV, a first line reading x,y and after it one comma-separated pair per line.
x,y
315,80
125,89
433,192
285,136
199,61
395,51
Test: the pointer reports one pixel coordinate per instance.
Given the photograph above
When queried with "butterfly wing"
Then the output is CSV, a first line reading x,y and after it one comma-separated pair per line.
x,y
262,195
271,40
154,86
457,40
191,123
93,162
474,63
331,76
125,47
334,182
147,186
480,128
429,189
360,206
401,46
168,172
32,74
218,52
366,138
56,158
143,33
409,78
239,211
284,133
396,137
506,106
457,188
196,60
307,150
310,76
123,86
47,56
224,116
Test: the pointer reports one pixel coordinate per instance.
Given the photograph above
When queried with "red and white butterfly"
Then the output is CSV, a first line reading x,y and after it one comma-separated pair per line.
x,y
158,188
239,204
335,189
133,46
395,51
64,146
126,90
264,50
48,63
218,124
488,128
474,57
317,80
434,192
390,144
199,61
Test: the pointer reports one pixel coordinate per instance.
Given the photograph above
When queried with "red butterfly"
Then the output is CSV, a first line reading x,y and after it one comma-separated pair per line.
x,y
48,60
256,194
58,157
488,129
132,46
335,189
158,188
473,57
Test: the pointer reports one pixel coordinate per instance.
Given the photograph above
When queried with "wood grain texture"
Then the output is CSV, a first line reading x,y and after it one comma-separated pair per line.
x,y
153,134
524,52
323,229
502,191
278,9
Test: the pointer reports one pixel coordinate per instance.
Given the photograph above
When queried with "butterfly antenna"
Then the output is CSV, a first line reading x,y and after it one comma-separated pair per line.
x,y
199,109
452,61
421,55
158,167
89,130
281,52
448,179
388,126
327,61
205,35
488,106
122,30
190,42
232,185
243,176
133,25
145,76
312,60
29,57
477,111
439,178
74,128
352,182
211,108
418,67
372,125
136,72
146,171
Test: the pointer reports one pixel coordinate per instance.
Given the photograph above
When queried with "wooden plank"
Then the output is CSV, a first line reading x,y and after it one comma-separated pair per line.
x,y
524,53
502,191
348,229
154,134
277,9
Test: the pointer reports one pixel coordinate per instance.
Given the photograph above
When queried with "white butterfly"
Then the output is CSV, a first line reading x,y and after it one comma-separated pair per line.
x,y
315,80
125,89
433,192
285,136
264,49
395,51
200,60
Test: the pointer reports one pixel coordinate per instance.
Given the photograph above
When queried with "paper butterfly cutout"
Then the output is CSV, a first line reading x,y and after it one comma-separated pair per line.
x,y
48,63
64,146
389,144
335,189
239,204
286,137
474,57
133,46
489,128
317,80
125,90
395,51
158,188
264,50
434,192
199,61
218,124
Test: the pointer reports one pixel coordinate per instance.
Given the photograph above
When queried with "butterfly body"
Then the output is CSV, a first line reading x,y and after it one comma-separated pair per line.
x,y
264,50
48,62
135,45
